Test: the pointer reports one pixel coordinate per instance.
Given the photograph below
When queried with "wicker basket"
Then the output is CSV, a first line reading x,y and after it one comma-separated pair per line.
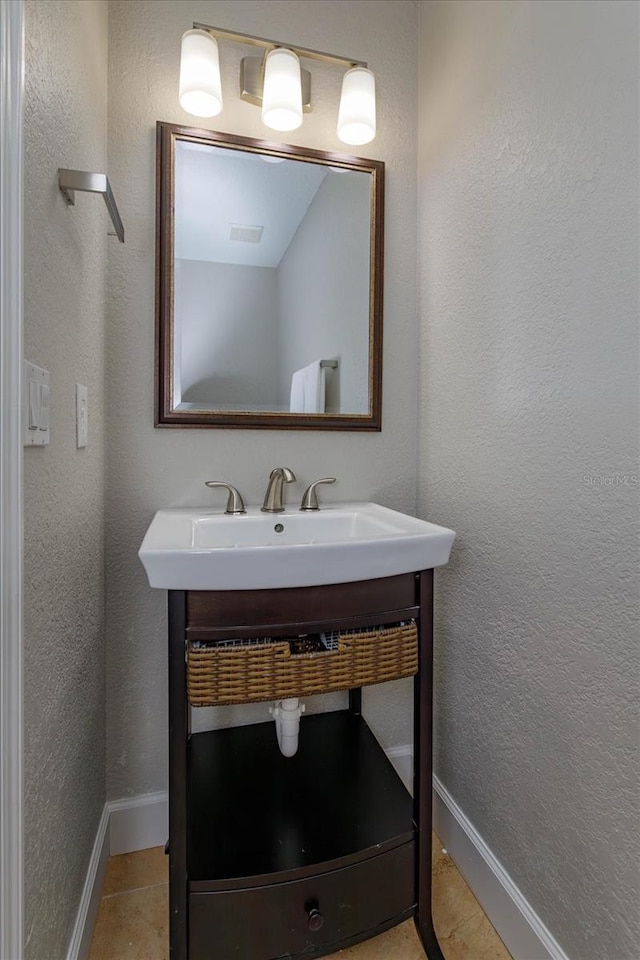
x,y
271,670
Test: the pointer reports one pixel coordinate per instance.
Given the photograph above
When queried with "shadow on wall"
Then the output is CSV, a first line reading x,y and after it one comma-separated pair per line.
x,y
463,42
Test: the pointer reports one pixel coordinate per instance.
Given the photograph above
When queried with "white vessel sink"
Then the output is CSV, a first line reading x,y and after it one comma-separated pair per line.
x,y
203,549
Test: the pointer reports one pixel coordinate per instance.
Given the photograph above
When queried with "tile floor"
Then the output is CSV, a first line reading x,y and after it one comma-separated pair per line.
x,y
133,920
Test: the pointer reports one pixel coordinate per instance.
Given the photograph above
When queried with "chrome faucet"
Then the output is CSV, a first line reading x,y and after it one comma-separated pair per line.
x,y
273,497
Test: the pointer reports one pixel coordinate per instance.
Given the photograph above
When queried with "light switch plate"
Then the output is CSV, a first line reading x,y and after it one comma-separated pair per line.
x,y
82,415
35,405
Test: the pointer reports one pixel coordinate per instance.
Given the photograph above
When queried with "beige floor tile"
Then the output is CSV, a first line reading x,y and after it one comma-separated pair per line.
x,y
131,871
133,926
133,919
474,939
453,901
437,853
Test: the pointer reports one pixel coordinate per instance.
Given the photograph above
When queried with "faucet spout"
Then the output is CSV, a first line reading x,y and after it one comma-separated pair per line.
x,y
273,500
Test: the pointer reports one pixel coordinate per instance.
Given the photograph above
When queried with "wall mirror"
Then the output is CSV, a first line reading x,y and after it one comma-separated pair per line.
x,y
269,284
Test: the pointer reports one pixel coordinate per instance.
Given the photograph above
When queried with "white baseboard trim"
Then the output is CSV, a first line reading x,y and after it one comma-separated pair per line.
x,y
136,823
402,760
519,926
80,943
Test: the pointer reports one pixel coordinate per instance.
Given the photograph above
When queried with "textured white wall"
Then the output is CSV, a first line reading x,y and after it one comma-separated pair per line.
x,y
65,271
528,279
229,333
323,292
151,468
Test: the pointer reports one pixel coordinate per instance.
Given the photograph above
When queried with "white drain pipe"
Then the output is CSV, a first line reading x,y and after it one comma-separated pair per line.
x,y
287,716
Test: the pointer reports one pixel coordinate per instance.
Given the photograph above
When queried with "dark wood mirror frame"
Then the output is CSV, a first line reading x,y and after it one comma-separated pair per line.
x,y
165,414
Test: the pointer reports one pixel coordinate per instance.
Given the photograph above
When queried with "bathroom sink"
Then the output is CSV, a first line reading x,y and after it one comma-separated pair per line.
x,y
202,549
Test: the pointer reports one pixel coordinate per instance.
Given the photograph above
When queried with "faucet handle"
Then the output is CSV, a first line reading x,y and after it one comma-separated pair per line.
x,y
310,497
235,503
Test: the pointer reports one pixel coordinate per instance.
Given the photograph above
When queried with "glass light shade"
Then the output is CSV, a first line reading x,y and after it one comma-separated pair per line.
x,y
200,92
282,92
357,113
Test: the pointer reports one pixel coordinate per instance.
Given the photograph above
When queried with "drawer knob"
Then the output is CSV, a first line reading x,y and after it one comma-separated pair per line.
x,y
316,920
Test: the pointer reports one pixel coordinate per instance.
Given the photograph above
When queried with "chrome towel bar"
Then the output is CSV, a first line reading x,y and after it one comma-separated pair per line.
x,y
71,180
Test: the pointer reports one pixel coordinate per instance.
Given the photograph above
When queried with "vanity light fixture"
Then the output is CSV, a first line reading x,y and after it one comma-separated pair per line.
x,y
200,91
357,114
276,82
282,90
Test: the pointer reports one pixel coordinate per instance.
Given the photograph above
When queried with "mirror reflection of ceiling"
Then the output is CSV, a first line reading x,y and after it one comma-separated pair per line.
x,y
226,196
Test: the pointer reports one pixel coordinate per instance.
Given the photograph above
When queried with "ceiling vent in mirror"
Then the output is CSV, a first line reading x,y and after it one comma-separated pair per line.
x,y
245,233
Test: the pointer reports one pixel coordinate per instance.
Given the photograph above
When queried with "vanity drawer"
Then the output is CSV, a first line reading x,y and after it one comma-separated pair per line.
x,y
307,917
261,611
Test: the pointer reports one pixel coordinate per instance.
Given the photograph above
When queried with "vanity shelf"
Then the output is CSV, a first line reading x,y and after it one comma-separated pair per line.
x,y
274,857
254,813
271,836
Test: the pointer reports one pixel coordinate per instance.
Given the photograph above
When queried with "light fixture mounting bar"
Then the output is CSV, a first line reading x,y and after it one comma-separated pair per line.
x,y
266,44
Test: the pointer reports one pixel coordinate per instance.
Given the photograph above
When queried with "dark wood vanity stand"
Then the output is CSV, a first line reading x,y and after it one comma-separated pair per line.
x,y
273,857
